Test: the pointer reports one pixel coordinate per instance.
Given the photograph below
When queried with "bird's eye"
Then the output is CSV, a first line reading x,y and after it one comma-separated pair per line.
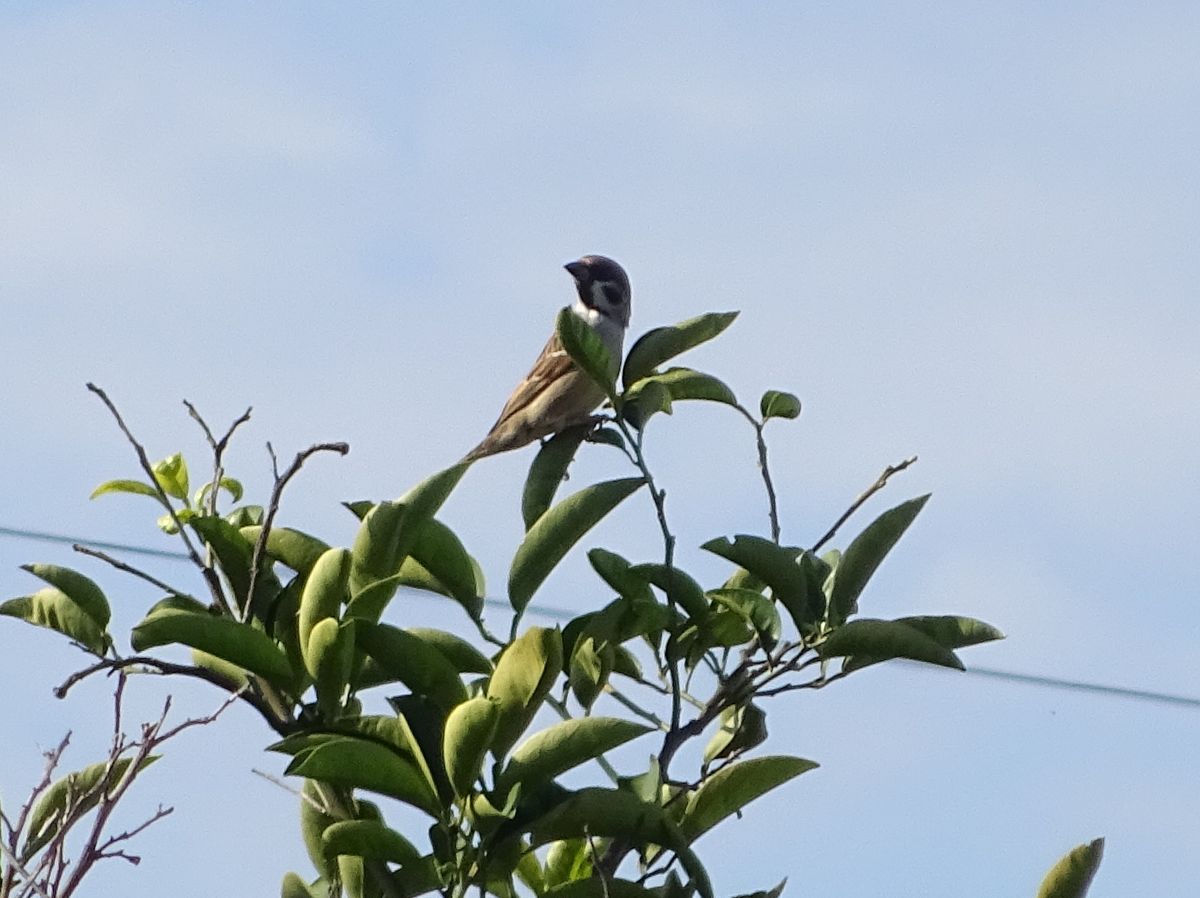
x,y
612,294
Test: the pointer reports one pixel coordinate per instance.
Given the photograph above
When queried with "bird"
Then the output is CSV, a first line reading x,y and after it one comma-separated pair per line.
x,y
556,394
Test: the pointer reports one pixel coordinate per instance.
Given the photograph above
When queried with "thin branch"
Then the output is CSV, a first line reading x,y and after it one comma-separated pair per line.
x,y
281,481
862,498
127,568
218,449
210,575
157,667
764,468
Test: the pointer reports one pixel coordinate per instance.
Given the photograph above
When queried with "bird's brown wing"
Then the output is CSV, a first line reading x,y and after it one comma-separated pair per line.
x,y
551,364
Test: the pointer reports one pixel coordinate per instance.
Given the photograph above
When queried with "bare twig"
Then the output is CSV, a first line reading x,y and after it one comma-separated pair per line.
x,y
218,449
281,481
127,568
866,494
156,667
210,575
765,470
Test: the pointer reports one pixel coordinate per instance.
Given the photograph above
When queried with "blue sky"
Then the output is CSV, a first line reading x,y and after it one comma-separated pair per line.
x,y
964,231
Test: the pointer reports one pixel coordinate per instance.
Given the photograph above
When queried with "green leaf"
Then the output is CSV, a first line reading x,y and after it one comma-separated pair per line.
x,y
662,343
556,531
293,886
613,813
881,640
78,588
231,486
646,403
1072,876
524,675
568,860
548,471
76,793
361,764
588,671
328,659
733,787
313,822
293,548
368,839
389,530
951,631
439,551
470,729
235,555
776,404
229,640
687,383
324,593
587,350
864,555
776,566
767,893
754,608
124,486
464,656
618,573
564,746
54,609
598,886
172,475
678,586
414,662
741,729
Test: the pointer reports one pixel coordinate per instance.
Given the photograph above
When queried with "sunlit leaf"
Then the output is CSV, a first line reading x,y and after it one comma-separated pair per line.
x,y
470,728
524,675
1072,876
360,764
124,486
565,745
172,475
548,471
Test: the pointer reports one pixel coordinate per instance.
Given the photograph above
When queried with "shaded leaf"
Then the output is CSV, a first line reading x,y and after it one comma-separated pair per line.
x,y
741,729
587,350
653,398
678,586
864,555
662,343
368,839
777,567
776,404
237,643
293,548
414,662
687,383
360,764
464,656
733,787
563,746
881,640
951,631
548,470
556,531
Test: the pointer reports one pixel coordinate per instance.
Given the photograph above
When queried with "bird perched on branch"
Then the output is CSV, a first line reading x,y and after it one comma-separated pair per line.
x,y
556,394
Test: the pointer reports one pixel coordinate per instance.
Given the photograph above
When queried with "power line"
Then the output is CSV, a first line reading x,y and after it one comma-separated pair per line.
x,y
563,614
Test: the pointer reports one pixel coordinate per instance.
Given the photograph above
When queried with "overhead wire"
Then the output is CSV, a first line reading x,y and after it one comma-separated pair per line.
x,y
563,614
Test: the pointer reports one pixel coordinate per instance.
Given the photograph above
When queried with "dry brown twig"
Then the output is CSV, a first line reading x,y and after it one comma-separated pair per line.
x,y
86,807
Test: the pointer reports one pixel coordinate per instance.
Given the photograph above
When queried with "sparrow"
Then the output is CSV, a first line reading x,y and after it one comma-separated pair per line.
x,y
555,394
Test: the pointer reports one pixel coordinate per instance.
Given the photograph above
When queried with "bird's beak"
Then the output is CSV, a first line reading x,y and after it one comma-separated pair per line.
x,y
576,269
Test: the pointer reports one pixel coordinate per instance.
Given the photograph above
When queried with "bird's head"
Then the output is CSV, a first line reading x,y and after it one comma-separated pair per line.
x,y
603,286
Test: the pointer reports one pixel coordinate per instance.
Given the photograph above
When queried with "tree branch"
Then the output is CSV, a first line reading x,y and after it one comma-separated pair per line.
x,y
858,503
